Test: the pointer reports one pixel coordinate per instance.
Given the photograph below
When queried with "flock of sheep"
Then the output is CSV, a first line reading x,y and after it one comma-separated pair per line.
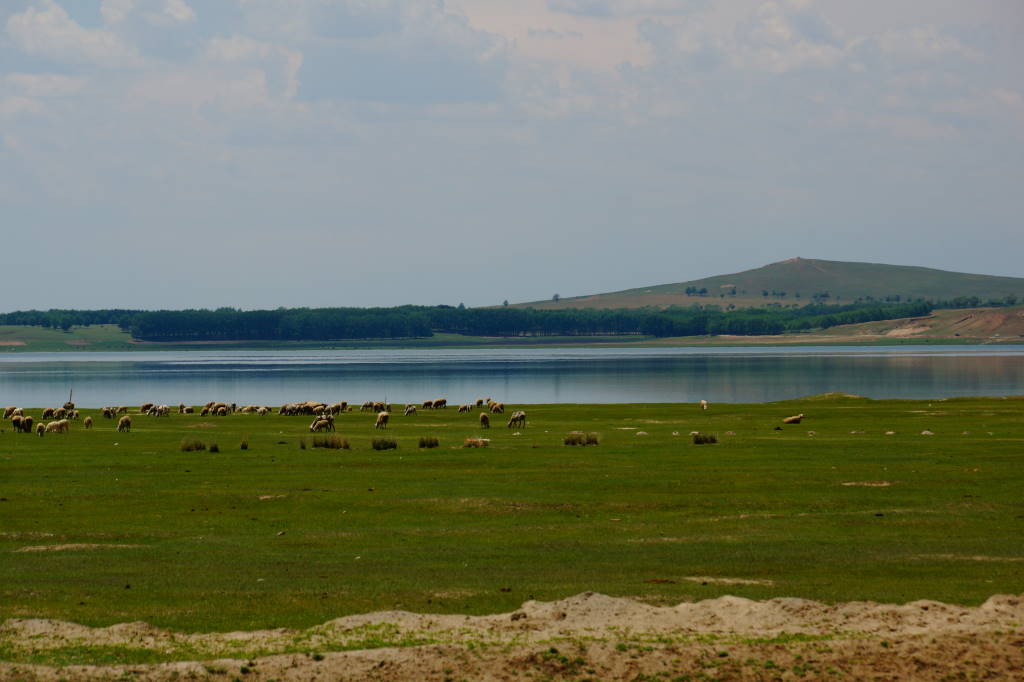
x,y
323,413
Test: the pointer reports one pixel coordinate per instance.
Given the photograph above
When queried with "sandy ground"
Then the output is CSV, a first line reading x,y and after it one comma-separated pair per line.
x,y
588,636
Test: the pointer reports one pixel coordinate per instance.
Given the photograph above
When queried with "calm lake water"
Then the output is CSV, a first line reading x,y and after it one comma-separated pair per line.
x,y
534,375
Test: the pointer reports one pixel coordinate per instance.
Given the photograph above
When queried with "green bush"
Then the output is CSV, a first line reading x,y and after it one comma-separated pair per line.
x,y
580,438
192,445
331,441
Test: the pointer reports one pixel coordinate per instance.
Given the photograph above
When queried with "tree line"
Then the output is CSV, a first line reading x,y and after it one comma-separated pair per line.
x,y
407,322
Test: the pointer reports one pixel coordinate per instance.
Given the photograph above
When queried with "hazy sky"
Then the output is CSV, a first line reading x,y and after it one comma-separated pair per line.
x,y
264,153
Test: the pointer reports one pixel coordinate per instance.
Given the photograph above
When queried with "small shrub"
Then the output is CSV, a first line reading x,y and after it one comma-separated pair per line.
x,y
428,442
580,438
385,444
331,441
213,447
704,439
302,444
192,445
244,445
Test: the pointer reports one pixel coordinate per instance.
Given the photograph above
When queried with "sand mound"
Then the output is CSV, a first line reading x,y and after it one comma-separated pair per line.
x,y
588,634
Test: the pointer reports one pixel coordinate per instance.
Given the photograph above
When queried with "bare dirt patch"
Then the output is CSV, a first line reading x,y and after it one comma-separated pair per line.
x,y
12,343
975,557
707,580
73,547
902,332
588,635
867,484
201,425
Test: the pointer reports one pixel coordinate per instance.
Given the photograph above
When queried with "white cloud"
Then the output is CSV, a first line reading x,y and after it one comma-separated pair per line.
x,y
45,84
280,65
45,29
178,10
627,8
17,106
925,42
154,12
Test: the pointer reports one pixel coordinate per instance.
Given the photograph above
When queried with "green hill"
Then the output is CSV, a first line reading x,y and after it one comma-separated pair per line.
x,y
800,280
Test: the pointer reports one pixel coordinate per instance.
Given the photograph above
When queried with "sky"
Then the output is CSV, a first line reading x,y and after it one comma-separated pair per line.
x,y
265,153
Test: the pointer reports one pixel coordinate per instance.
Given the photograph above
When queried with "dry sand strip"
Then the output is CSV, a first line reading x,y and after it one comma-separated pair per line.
x,y
585,636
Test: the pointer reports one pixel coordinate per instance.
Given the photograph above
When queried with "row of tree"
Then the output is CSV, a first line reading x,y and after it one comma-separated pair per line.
x,y
314,324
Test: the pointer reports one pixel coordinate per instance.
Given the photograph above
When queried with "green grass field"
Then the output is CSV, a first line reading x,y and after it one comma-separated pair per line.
x,y
277,536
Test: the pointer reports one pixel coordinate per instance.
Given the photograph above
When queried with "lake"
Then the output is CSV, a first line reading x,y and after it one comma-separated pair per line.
x,y
529,375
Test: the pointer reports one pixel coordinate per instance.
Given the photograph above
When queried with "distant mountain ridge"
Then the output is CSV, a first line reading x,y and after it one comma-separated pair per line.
x,y
804,280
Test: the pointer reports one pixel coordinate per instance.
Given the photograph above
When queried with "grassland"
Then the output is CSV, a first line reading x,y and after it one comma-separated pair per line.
x,y
102,527
845,282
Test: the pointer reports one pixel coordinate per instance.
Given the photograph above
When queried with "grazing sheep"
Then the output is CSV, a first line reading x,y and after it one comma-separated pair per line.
x,y
367,406
222,411
322,424
60,413
40,429
18,412
8,411
410,409
189,409
124,424
48,413
485,421
382,420
441,403
145,407
480,401
204,412
380,407
122,409
16,422
26,424
703,404
74,414
262,411
517,419
181,408
108,412
87,422
795,419
465,408
60,426
69,406
428,404
497,408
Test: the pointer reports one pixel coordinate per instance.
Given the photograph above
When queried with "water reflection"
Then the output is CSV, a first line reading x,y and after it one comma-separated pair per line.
x,y
516,376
